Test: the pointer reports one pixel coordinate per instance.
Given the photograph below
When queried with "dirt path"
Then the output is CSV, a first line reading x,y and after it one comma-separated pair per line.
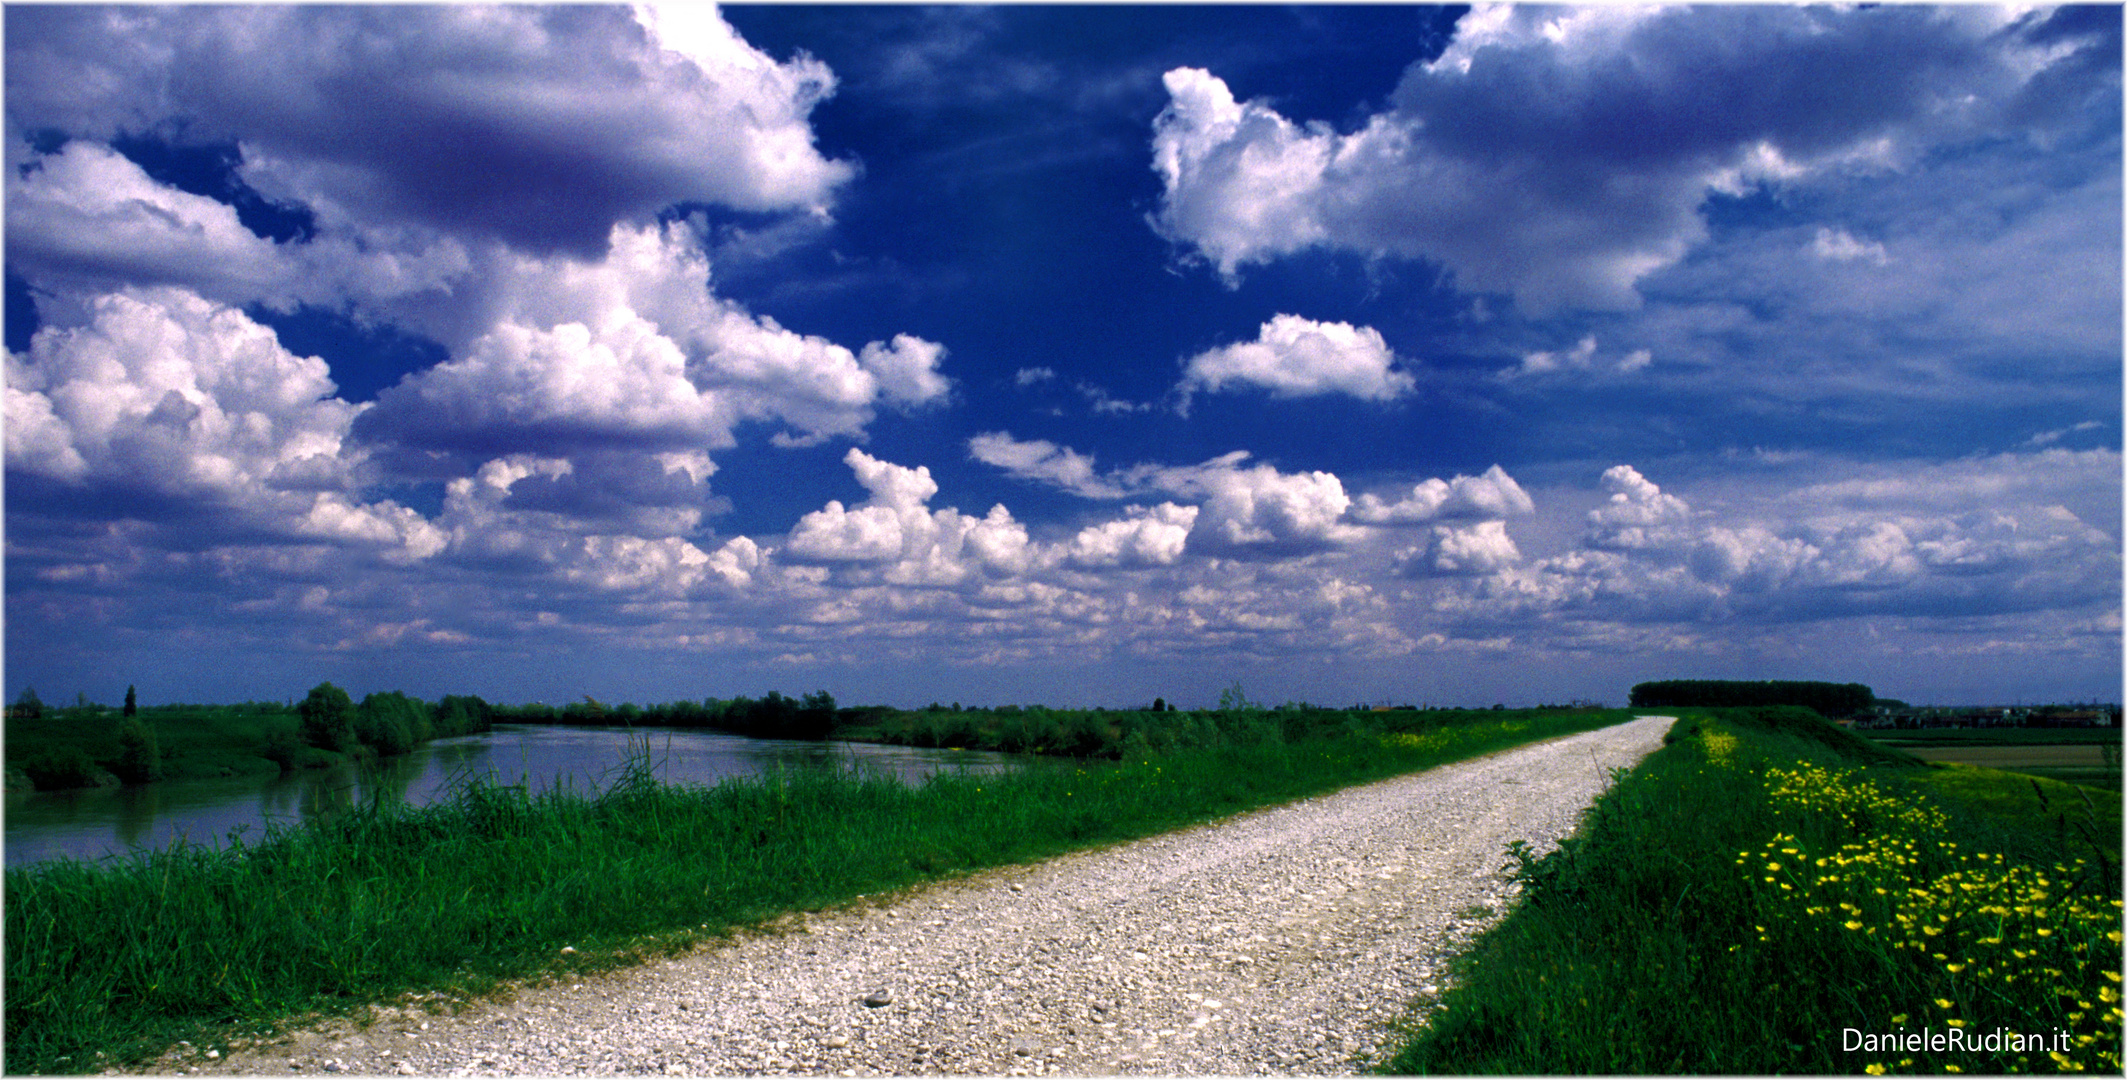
x,y
1281,941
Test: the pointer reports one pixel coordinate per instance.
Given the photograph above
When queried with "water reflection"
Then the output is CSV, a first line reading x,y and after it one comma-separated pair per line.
x,y
102,822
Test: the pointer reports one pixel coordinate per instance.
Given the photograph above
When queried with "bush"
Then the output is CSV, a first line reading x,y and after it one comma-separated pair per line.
x,y
328,718
139,756
63,767
392,723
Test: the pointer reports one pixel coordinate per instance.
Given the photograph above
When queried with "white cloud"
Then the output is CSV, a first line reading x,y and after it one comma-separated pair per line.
x,y
1039,459
1296,357
1841,246
1481,548
1561,155
1638,514
170,392
1148,536
2048,438
1256,510
1492,494
1582,358
1906,546
539,126
87,214
632,349
166,405
896,530
1260,510
907,370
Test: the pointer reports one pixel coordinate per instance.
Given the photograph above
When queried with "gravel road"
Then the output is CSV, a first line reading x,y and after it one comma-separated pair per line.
x,y
1281,941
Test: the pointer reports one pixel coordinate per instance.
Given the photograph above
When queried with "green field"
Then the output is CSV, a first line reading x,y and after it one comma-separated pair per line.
x,y
1769,894
2087,756
461,897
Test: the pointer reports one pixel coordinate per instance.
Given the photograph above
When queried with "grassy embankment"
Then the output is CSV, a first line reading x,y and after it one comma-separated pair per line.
x,y
1766,882
110,962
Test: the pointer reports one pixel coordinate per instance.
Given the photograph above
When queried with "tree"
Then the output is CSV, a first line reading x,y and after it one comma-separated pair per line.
x,y
139,757
132,707
390,723
29,706
328,716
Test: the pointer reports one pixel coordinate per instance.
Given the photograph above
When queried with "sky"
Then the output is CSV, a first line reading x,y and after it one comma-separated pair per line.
x,y
1062,355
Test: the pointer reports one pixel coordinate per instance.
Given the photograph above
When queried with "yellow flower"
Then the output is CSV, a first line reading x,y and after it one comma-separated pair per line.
x,y
1874,1070
1942,1003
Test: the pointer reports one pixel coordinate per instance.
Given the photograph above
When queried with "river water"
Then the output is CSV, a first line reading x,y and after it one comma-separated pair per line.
x,y
113,821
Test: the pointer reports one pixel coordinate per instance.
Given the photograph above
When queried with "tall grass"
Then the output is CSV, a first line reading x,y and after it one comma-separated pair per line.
x,y
490,884
1762,885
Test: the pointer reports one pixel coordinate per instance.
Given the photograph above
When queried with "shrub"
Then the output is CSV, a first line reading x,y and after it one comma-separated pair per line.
x,y
139,757
61,768
328,717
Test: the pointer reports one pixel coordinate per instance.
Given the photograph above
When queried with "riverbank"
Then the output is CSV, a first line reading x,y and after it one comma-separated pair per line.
x,y
1279,940
1769,894
465,896
86,746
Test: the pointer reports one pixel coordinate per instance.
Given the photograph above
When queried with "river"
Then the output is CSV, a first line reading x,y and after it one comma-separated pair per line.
x,y
112,821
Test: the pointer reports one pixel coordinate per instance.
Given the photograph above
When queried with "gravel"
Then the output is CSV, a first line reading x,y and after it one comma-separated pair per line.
x,y
1282,941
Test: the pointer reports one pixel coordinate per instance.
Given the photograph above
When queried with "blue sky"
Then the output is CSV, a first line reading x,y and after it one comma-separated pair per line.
x,y
1060,354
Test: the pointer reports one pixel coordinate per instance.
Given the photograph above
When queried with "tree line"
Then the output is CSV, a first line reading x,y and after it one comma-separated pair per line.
x,y
1834,700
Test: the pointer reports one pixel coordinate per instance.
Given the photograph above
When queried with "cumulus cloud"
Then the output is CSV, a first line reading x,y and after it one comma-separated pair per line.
x,y
1492,494
1481,548
1907,547
1561,155
540,126
1147,536
1638,515
1252,510
1257,509
896,531
166,405
1260,510
1296,357
85,213
632,349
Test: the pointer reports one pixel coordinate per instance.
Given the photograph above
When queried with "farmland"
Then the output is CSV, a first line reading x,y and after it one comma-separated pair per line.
x,y
2089,756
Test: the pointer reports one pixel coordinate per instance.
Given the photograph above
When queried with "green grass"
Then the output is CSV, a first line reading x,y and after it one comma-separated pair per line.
x,y
1690,927
196,742
2040,752
1994,736
463,896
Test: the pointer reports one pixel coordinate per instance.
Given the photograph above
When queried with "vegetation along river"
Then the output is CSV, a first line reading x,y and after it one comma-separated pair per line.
x,y
98,822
